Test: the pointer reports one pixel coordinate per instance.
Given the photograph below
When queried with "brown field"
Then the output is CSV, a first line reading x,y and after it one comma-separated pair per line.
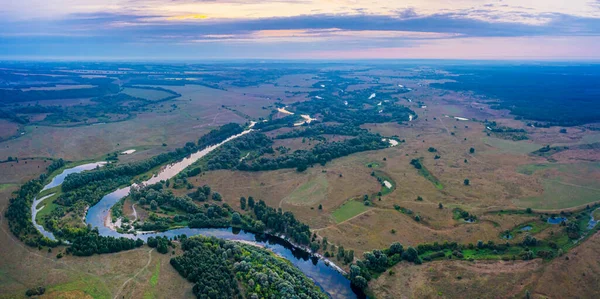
x,y
7,129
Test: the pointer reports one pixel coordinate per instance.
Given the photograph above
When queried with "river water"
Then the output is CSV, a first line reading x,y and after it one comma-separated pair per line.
x,y
326,277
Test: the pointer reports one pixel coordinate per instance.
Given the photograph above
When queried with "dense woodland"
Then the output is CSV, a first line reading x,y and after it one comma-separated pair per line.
x,y
540,93
224,269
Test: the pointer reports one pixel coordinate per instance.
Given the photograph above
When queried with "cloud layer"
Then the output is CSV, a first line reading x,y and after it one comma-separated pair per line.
x,y
183,29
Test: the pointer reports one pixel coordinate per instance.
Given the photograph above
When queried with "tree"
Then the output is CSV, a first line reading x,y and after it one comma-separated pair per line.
x,y
417,218
480,244
243,203
440,205
153,205
320,206
396,248
360,282
472,150
410,254
467,182
216,196
236,218
251,202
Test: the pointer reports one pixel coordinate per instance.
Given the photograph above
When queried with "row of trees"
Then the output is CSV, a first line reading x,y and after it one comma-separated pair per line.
x,y
92,243
321,153
320,129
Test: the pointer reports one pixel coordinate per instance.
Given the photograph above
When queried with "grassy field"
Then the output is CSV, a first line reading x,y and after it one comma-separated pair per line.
x,y
564,185
508,146
309,193
559,195
348,210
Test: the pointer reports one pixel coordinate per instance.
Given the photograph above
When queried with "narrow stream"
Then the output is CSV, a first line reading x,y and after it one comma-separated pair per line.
x,y
326,277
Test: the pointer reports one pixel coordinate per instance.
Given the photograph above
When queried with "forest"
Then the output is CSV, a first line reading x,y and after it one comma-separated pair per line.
x,y
225,269
559,95
16,95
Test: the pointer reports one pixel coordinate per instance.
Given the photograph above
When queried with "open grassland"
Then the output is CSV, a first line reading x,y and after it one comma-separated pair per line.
x,y
348,210
509,146
311,192
18,172
198,111
564,185
572,277
7,129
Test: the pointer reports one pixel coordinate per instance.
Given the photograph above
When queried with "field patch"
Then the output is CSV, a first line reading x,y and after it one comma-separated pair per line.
x,y
310,192
348,210
559,195
148,94
565,185
88,287
508,146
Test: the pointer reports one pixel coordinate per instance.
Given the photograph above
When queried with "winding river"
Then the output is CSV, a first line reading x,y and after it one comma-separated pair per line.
x,y
325,276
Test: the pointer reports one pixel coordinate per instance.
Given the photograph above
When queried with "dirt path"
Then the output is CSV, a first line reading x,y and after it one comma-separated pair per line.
x,y
136,274
134,212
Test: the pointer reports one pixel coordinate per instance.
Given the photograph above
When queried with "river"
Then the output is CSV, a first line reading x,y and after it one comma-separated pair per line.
x,y
326,277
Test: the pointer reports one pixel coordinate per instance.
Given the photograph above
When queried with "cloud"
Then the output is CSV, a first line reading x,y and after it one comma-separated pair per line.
x,y
111,33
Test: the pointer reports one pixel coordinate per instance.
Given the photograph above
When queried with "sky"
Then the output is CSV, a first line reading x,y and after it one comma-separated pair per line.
x,y
186,30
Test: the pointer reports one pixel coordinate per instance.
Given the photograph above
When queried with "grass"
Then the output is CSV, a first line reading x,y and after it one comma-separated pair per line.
x,y
517,147
154,278
310,192
149,293
559,196
49,207
430,177
6,186
89,285
564,185
596,214
384,177
373,165
348,210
